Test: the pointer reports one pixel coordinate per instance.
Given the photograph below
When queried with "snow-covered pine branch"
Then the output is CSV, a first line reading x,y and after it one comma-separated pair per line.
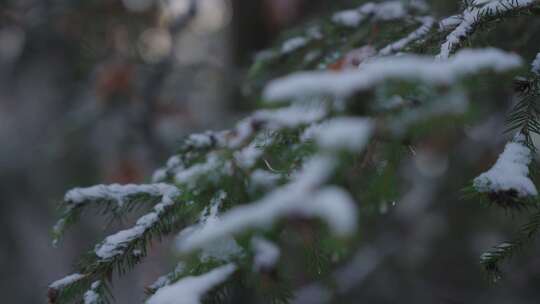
x,y
115,244
405,68
473,16
114,198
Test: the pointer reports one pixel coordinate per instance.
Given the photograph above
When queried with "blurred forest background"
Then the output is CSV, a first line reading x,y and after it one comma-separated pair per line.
x,y
99,91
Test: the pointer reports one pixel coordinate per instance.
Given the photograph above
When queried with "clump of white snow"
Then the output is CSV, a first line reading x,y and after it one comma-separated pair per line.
x,y
347,133
350,18
266,254
248,156
265,179
536,65
510,172
385,11
91,296
293,44
189,290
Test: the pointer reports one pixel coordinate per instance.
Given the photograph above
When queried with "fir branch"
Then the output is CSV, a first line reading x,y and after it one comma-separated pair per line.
x,y
525,118
473,17
112,200
491,260
123,250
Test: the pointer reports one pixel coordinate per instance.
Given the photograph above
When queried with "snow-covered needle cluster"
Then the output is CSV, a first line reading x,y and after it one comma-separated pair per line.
x,y
340,117
510,172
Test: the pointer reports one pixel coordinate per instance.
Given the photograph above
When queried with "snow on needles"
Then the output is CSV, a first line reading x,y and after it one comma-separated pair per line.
x,y
427,24
349,133
114,244
91,296
406,67
389,10
290,117
449,23
189,290
166,279
471,18
304,196
510,172
536,65
266,254
115,192
222,249
293,44
65,281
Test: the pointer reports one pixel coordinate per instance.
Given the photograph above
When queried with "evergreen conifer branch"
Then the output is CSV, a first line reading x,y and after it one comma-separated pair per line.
x,y
474,17
110,200
308,150
491,261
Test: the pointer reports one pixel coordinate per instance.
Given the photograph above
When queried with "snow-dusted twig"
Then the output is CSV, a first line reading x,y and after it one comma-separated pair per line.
x,y
67,280
422,31
113,196
472,17
115,244
58,286
114,192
